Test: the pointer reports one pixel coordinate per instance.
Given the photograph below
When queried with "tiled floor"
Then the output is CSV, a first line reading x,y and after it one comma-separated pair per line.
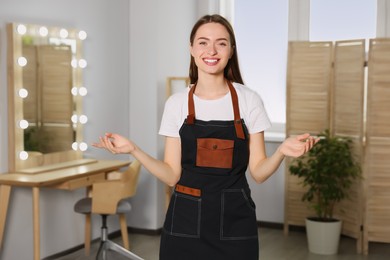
x,y
274,245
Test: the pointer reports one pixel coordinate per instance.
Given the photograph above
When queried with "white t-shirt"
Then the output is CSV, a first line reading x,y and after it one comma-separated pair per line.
x,y
251,110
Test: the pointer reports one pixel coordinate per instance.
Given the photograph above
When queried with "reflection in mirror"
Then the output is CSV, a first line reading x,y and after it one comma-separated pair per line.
x,y
45,93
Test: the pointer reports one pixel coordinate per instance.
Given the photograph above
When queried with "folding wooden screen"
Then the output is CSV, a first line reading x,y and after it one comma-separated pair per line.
x,y
347,114
308,98
325,89
376,161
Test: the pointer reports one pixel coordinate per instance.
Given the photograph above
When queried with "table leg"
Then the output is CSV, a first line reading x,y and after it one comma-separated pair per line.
x,y
5,191
87,235
36,228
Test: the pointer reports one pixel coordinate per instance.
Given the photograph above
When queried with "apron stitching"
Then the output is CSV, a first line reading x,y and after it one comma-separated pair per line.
x,y
222,211
199,216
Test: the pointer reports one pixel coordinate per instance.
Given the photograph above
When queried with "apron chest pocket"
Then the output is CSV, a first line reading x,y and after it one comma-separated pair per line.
x,y
213,152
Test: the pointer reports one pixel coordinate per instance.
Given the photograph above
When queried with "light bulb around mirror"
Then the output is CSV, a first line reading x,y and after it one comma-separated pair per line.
x,y
83,91
23,93
23,124
74,91
43,31
83,119
64,33
82,63
21,29
23,155
22,61
74,119
75,146
83,146
73,63
82,35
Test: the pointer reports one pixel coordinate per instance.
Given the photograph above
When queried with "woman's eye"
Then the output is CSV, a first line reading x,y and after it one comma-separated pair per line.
x,y
202,43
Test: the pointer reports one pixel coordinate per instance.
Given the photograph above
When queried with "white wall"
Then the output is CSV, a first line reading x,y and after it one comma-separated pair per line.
x,y
158,49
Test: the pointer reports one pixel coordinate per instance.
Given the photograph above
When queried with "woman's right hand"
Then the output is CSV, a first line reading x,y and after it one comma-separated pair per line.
x,y
115,144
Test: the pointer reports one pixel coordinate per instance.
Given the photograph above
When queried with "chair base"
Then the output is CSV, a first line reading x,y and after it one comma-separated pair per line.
x,y
109,245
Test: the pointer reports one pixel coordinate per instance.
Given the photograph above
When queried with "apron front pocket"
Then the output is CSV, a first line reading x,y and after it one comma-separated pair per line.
x,y
238,217
213,152
183,216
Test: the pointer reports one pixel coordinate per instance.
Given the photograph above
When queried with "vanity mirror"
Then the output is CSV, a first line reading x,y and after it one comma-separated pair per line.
x,y
45,90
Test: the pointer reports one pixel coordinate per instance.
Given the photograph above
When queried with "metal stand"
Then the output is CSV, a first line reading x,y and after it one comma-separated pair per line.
x,y
107,244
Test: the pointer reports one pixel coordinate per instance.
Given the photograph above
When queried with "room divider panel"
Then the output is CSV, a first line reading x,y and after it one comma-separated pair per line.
x,y
376,161
325,90
309,73
347,119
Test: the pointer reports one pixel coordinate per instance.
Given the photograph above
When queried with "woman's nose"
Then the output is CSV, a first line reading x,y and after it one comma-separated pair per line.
x,y
211,50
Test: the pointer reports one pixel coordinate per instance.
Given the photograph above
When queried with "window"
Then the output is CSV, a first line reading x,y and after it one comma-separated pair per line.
x,y
262,35
334,20
261,29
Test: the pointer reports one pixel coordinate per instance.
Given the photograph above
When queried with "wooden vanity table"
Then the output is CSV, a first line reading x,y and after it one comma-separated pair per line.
x,y
45,130
81,173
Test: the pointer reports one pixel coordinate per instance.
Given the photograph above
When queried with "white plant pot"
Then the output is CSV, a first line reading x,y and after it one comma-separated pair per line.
x,y
323,237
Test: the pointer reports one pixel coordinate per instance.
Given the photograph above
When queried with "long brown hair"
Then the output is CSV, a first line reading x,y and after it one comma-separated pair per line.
x,y
232,70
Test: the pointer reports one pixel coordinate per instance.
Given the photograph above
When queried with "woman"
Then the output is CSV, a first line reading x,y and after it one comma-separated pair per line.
x,y
214,131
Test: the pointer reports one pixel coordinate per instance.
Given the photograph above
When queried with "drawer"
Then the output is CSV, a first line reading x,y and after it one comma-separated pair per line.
x,y
81,182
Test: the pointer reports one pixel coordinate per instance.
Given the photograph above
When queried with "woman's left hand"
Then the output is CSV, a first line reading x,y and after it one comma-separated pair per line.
x,y
297,145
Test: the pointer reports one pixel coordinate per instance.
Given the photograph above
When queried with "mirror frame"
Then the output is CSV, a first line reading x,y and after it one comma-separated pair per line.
x,y
15,102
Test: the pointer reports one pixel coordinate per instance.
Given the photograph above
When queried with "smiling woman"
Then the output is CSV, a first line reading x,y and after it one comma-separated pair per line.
x,y
45,95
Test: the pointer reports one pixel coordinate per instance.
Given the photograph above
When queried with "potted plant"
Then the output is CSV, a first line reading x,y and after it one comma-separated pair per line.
x,y
327,171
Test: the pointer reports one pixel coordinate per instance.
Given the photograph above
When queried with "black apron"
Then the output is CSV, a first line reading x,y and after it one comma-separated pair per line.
x,y
211,215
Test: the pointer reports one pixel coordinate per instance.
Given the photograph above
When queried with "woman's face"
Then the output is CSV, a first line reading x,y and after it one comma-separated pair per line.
x,y
211,49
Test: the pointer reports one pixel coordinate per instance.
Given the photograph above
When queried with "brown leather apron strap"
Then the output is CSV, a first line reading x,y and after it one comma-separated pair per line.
x,y
188,190
237,119
236,109
191,106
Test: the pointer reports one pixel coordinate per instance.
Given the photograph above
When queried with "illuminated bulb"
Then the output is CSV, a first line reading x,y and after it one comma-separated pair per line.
x,y
22,61
74,119
43,31
21,29
83,119
64,33
75,146
23,93
83,146
23,155
74,63
23,124
82,35
82,63
83,91
74,91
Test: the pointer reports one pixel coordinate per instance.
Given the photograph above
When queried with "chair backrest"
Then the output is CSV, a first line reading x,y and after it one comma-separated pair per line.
x,y
107,194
